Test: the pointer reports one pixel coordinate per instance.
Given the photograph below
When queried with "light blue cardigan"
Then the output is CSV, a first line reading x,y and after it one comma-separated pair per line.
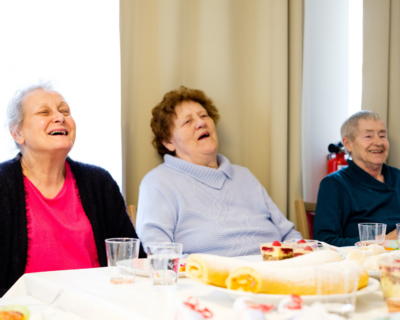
x,y
224,211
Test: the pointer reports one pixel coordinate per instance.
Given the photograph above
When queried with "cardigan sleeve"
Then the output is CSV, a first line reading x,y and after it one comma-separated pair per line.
x,y
329,215
157,216
13,231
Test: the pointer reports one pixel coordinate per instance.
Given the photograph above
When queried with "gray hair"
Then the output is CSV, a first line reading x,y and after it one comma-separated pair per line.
x,y
15,112
350,126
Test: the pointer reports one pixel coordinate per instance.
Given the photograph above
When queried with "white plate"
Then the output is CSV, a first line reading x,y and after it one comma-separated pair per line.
x,y
142,268
344,250
373,284
374,274
255,258
341,250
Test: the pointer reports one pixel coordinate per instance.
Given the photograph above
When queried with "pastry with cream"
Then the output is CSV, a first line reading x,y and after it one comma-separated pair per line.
x,y
214,270
374,248
359,255
372,263
276,251
14,312
210,269
299,280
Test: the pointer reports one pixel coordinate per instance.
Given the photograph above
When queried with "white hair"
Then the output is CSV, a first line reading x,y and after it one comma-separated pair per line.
x,y
15,112
350,126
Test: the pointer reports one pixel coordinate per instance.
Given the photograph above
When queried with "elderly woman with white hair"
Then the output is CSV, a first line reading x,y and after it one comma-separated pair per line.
x,y
366,191
55,213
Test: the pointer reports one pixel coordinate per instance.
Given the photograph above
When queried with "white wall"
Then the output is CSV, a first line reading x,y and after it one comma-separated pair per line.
x,y
325,86
76,45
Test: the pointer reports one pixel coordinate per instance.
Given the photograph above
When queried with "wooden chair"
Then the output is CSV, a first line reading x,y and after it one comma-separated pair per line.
x,y
132,212
305,212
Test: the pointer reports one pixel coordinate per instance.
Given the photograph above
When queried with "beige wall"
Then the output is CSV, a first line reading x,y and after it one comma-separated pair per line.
x,y
238,53
381,67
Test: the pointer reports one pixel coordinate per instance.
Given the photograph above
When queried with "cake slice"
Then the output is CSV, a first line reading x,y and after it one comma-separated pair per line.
x,y
276,251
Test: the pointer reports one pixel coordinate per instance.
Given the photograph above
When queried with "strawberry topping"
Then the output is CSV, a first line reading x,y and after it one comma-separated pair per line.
x,y
276,244
302,241
308,248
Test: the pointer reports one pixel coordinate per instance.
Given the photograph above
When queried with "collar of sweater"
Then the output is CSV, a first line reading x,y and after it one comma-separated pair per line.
x,y
214,178
363,177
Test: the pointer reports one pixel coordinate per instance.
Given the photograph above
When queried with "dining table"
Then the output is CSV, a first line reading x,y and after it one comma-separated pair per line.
x,y
89,294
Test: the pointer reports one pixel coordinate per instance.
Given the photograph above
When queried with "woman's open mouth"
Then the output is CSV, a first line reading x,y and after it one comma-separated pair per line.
x,y
58,133
203,136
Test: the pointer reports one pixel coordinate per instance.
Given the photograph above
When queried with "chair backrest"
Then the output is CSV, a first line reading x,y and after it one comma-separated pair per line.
x,y
305,212
132,212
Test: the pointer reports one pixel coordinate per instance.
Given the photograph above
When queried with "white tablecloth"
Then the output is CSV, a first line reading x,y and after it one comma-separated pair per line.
x,y
89,294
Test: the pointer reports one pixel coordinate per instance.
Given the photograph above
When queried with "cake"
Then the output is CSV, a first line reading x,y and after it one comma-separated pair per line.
x,y
296,280
302,250
303,247
276,251
211,269
214,270
14,312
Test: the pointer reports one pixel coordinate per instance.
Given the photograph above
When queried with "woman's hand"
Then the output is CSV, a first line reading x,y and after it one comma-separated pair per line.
x,y
391,235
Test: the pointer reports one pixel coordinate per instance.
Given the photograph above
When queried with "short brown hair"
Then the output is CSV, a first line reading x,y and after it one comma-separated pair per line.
x,y
164,114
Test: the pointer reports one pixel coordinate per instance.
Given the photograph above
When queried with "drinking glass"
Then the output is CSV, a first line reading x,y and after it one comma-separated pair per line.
x,y
336,289
123,251
389,268
372,233
398,230
164,264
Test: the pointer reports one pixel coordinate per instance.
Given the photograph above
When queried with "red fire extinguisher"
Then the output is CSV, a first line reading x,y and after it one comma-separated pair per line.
x,y
336,160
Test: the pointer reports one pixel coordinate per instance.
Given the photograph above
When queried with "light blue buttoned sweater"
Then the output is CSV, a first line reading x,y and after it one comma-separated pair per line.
x,y
224,211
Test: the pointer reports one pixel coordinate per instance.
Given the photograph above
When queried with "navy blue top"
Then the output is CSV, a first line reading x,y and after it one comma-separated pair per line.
x,y
351,196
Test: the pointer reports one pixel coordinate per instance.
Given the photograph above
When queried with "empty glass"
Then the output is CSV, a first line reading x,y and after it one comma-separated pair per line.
x,y
371,233
126,252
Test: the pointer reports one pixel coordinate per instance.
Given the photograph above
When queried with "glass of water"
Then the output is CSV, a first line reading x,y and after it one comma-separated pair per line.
x,y
163,260
336,289
398,231
371,233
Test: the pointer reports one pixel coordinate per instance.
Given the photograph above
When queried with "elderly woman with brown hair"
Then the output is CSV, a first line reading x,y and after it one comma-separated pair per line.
x,y
197,197
367,191
55,213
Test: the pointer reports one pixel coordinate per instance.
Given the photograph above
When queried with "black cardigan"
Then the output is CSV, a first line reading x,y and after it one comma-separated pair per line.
x,y
101,200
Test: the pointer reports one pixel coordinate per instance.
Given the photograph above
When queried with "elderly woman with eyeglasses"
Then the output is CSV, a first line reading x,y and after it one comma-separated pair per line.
x,y
55,213
197,197
367,191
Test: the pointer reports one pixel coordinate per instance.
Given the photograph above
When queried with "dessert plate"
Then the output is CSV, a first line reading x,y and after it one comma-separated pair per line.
x,y
373,284
374,274
254,258
142,268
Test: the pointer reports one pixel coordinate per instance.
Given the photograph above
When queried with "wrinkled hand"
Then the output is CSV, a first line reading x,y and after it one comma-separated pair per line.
x,y
391,235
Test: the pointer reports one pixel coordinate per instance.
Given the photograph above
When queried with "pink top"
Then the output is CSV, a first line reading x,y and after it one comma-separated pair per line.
x,y
59,232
